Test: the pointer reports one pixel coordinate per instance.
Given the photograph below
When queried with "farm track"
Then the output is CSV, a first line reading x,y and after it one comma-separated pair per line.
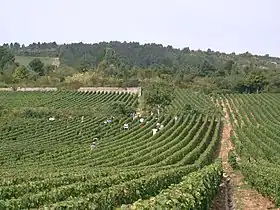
x,y
233,192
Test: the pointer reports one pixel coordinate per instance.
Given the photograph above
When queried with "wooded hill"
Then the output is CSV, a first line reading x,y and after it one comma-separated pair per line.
x,y
185,67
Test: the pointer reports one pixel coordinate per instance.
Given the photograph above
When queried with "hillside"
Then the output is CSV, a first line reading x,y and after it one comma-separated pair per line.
x,y
137,55
131,64
255,124
47,160
25,60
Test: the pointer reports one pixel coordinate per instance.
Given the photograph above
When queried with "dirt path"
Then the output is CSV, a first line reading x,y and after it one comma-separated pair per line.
x,y
234,193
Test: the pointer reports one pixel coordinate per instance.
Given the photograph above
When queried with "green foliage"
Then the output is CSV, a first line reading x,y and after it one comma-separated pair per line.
x,y
232,159
229,65
37,66
263,178
6,57
32,105
49,163
158,95
207,68
136,55
25,60
49,69
31,113
63,72
256,82
20,73
129,64
128,191
256,138
187,102
121,109
194,192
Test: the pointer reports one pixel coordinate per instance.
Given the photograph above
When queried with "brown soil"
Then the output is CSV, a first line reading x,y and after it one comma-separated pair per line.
x,y
233,192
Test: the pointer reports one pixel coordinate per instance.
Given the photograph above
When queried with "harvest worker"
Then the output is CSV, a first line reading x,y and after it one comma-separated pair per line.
x,y
125,126
93,145
154,131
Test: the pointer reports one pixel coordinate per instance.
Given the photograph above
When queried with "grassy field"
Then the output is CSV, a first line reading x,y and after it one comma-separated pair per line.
x,y
24,60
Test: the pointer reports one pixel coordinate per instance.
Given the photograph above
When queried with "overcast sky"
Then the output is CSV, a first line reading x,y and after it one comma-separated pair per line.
x,y
224,25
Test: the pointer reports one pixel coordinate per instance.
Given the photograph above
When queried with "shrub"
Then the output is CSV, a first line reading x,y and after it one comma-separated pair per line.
x,y
232,159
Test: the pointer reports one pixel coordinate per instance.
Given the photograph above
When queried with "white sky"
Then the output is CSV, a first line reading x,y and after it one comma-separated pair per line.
x,y
224,25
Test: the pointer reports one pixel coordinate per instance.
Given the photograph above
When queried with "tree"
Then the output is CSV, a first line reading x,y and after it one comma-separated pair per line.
x,y
16,46
274,85
123,64
207,68
6,57
186,50
158,95
49,69
85,66
228,66
20,73
111,57
62,72
37,66
6,45
256,82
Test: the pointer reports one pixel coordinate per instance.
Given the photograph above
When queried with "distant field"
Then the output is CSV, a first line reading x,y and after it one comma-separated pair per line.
x,y
24,60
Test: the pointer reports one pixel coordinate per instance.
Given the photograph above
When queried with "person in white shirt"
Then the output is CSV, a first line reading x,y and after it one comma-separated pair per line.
x,y
154,131
125,126
93,145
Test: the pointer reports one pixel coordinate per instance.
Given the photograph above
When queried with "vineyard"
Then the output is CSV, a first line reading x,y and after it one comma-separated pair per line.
x,y
50,164
47,161
256,136
195,101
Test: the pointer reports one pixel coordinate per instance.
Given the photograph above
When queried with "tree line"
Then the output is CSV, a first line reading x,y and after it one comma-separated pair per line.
x,y
131,64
